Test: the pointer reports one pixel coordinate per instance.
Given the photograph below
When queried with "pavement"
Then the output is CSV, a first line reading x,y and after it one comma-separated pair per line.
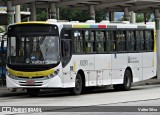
x,y
4,90
152,81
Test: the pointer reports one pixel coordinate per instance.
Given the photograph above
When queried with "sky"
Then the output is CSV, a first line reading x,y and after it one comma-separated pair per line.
x,y
118,15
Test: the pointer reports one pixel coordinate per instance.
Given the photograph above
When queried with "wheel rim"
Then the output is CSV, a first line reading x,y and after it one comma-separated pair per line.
x,y
128,80
78,84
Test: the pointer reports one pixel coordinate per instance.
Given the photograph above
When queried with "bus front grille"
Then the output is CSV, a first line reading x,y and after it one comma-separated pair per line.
x,y
30,77
30,85
36,83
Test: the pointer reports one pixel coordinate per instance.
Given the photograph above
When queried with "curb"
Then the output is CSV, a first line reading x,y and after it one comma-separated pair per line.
x,y
147,82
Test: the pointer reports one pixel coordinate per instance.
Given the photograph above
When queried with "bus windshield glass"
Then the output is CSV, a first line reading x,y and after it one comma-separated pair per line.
x,y
33,48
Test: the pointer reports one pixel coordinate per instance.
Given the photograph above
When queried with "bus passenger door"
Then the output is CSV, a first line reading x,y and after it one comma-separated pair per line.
x,y
66,52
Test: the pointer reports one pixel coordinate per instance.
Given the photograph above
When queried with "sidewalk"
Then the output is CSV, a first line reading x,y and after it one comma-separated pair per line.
x,y
152,81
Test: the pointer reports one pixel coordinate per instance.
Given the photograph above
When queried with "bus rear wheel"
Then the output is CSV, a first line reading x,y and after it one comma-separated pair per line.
x,y
126,82
78,85
33,92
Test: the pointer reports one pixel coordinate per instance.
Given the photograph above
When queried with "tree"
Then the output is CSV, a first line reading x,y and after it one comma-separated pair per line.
x,y
101,15
73,15
41,14
80,15
69,14
140,17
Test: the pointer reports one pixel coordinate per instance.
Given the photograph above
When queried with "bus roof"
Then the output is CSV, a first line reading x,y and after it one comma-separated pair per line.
x,y
102,24
92,24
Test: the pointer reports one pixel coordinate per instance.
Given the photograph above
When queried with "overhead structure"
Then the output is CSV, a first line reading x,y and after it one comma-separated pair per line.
x,y
126,6
109,5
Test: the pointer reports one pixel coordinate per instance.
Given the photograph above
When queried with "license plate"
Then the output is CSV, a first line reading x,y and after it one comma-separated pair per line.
x,y
30,82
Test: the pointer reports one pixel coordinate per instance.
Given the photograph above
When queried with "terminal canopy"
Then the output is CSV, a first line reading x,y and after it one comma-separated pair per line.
x,y
109,5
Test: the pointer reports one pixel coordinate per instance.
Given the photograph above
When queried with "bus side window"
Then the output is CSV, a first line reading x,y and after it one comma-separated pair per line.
x,y
101,41
111,36
149,40
131,41
78,41
66,46
138,40
13,46
142,40
121,39
90,41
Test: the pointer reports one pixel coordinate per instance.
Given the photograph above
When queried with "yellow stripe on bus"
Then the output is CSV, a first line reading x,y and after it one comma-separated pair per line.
x,y
155,41
31,74
33,22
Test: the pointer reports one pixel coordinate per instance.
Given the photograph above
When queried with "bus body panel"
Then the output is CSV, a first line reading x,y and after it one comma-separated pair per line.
x,y
107,77
87,64
137,74
103,69
135,63
118,66
148,65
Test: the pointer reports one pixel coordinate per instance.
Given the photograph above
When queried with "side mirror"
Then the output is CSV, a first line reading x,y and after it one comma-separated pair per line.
x,y
2,44
4,37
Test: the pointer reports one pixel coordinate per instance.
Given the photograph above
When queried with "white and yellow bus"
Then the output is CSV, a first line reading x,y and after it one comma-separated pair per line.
x,y
79,55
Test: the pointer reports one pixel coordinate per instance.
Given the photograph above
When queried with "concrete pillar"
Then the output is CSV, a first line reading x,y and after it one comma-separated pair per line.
x,y
48,13
28,18
10,13
58,13
110,13
112,16
133,17
18,14
145,18
92,12
126,14
53,12
33,11
157,19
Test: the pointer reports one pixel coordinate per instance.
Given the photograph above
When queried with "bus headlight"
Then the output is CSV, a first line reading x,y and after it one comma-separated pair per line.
x,y
54,74
11,76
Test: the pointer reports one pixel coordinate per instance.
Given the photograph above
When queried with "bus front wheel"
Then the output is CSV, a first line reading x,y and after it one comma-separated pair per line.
x,y
33,92
78,85
126,82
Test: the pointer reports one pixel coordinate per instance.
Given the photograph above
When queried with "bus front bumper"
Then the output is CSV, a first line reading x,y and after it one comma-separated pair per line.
x,y
54,82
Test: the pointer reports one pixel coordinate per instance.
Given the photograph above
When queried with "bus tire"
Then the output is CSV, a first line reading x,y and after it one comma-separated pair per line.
x,y
126,86
78,85
33,92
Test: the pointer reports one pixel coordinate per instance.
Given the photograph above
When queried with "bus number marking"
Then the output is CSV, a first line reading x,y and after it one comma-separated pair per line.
x,y
83,62
132,60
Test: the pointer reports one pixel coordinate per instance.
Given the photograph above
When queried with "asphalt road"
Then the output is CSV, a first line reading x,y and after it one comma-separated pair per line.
x,y
139,96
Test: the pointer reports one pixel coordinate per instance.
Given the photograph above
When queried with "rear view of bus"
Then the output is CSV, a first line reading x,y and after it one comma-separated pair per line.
x,y
33,57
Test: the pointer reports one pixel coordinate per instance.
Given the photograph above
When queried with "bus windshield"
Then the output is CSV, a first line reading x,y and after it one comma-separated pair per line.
x,y
33,49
